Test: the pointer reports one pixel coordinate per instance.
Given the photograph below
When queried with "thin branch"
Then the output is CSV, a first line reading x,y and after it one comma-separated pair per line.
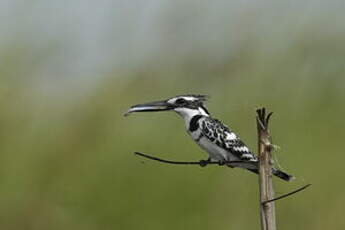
x,y
260,123
268,117
204,163
201,163
287,194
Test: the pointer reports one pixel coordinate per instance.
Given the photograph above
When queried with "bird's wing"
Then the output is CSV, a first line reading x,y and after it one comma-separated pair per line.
x,y
222,136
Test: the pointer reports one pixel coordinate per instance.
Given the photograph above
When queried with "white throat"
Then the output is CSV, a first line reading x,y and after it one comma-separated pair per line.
x,y
187,114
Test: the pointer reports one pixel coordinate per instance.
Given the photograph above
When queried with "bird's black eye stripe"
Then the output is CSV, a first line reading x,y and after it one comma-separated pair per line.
x,y
180,101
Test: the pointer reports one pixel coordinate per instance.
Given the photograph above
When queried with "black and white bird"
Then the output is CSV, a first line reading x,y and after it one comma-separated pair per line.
x,y
210,134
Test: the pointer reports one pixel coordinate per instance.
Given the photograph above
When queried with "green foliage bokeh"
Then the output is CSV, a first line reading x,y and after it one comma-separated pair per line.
x,y
66,159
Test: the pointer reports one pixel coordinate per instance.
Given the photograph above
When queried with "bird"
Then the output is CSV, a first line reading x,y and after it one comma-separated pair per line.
x,y
214,137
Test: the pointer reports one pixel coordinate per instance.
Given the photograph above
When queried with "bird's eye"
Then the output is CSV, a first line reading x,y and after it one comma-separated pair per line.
x,y
180,101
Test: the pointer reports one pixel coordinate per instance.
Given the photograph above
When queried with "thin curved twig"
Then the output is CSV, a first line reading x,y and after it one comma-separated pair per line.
x,y
201,163
287,194
204,163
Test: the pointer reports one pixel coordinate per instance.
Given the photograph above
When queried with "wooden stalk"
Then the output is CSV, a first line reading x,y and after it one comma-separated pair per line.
x,y
267,210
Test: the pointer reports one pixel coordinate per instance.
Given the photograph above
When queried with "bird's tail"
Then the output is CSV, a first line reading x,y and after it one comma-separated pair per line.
x,y
277,173
282,175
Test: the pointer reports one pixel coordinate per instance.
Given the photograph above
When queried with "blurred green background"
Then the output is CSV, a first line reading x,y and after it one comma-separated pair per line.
x,y
68,72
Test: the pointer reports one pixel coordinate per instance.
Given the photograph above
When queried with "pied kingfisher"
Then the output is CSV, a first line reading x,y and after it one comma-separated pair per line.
x,y
214,137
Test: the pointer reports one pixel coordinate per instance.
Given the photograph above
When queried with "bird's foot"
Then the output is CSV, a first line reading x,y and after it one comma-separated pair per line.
x,y
203,163
221,163
231,166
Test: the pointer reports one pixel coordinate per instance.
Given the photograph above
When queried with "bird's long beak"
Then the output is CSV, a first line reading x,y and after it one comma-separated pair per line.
x,y
150,107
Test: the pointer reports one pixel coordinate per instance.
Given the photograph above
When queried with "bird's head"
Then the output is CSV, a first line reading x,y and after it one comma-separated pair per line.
x,y
185,105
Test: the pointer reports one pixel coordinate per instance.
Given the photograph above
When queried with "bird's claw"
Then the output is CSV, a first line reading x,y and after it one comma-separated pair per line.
x,y
203,163
221,163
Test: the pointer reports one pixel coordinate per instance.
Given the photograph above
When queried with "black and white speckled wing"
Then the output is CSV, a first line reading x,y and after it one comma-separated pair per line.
x,y
223,137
